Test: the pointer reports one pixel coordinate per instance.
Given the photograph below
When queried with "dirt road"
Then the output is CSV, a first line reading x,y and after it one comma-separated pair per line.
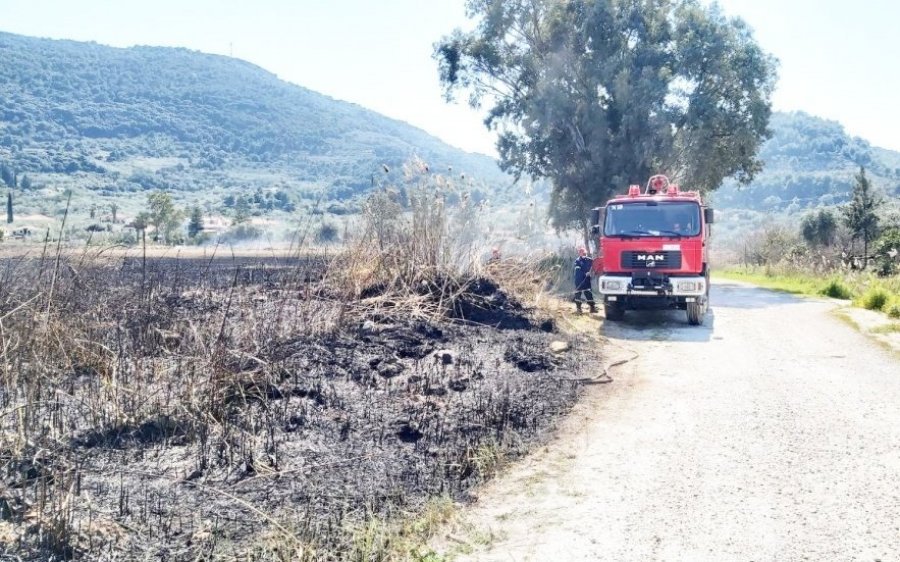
x,y
772,432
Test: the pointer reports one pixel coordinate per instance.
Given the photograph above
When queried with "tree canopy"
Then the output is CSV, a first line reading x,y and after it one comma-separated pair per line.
x,y
164,217
860,213
599,94
195,225
819,228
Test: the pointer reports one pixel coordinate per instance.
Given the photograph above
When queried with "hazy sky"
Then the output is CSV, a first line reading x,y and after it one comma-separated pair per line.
x,y
838,58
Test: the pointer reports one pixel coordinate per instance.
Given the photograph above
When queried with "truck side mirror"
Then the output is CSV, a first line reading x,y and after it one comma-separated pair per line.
x,y
708,215
597,220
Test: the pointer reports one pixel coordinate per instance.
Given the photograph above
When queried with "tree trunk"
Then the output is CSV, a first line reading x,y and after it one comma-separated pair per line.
x,y
865,252
586,235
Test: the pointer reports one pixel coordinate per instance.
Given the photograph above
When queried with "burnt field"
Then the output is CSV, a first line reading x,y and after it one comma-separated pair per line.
x,y
255,408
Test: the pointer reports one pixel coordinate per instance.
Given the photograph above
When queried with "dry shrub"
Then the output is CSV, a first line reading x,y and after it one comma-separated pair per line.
x,y
776,247
415,253
422,249
531,279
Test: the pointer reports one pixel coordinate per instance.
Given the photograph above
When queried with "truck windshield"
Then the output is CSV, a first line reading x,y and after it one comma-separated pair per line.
x,y
652,218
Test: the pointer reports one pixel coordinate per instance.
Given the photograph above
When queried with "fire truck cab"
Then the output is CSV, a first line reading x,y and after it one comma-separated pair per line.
x,y
653,250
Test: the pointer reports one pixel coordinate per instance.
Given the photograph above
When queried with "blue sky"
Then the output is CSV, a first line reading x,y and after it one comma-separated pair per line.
x,y
838,59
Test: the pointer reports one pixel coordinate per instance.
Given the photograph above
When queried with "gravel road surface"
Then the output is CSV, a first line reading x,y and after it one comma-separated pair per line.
x,y
772,432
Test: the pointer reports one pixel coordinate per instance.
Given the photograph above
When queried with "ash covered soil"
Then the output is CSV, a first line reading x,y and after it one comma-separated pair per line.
x,y
222,409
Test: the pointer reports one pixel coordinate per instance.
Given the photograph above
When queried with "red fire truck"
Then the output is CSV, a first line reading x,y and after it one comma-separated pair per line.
x,y
653,250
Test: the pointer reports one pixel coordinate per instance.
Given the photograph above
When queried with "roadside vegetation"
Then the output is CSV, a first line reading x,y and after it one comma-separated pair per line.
x,y
853,254
862,290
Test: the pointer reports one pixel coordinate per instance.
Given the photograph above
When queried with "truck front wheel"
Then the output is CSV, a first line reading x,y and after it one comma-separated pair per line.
x,y
613,311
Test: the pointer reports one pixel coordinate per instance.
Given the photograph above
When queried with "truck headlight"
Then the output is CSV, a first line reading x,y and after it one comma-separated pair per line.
x,y
612,285
689,286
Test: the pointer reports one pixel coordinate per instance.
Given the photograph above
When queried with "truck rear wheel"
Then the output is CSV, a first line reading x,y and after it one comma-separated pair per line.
x,y
695,313
613,311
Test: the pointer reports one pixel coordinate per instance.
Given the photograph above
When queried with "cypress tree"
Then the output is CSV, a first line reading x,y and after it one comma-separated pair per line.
x,y
860,214
6,175
195,226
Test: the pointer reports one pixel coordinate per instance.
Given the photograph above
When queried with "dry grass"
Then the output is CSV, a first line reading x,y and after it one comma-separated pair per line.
x,y
153,408
89,358
417,256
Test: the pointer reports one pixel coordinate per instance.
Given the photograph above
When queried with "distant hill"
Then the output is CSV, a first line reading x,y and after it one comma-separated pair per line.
x,y
107,125
116,121
808,162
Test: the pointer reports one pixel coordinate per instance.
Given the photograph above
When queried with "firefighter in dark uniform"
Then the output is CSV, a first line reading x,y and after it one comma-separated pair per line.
x,y
583,266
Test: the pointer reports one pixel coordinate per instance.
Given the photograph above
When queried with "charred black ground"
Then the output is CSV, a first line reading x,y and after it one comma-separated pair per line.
x,y
206,409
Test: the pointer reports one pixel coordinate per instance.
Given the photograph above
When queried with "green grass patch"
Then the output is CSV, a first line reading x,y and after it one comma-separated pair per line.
x,y
892,328
837,289
863,288
893,308
403,537
789,283
875,298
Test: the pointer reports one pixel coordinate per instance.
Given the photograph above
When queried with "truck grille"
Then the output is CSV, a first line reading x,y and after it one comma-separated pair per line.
x,y
651,260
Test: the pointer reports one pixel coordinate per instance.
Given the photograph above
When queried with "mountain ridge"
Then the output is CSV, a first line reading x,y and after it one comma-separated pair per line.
x,y
811,161
106,121
113,103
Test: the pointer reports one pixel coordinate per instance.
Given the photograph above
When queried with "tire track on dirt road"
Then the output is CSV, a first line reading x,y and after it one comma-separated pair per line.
x,y
772,432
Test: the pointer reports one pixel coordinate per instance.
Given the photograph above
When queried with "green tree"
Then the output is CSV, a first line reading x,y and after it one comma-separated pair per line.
x,y
26,182
860,214
327,233
113,209
195,226
163,215
7,175
887,251
141,221
599,94
241,211
9,207
281,199
819,228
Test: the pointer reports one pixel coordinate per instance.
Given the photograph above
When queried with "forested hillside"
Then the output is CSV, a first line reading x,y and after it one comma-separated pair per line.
x,y
107,126
809,162
126,120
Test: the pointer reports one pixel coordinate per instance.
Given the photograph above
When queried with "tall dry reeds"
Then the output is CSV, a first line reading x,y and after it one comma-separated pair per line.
x,y
422,244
